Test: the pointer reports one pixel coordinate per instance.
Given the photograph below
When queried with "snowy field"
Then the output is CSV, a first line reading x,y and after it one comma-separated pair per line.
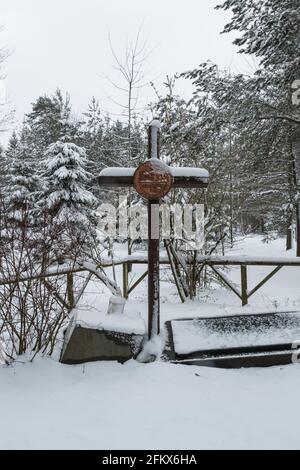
x,y
47,405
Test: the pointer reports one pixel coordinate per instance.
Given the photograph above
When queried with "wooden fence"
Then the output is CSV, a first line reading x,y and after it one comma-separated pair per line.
x,y
214,262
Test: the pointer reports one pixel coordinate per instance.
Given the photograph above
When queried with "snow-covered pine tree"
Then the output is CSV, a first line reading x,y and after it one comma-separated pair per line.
x,y
270,29
66,201
93,120
50,120
21,181
3,166
12,147
93,137
232,107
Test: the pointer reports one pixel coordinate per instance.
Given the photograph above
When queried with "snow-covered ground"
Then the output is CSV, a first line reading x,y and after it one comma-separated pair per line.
x,y
159,406
106,405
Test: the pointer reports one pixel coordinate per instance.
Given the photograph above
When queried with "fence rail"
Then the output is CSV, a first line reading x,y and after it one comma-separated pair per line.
x,y
214,262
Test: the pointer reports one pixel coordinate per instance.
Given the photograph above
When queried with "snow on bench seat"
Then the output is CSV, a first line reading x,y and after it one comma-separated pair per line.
x,y
213,334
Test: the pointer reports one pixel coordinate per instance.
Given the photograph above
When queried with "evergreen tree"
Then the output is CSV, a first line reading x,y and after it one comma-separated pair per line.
x,y
93,136
66,200
3,166
22,181
270,30
12,147
49,121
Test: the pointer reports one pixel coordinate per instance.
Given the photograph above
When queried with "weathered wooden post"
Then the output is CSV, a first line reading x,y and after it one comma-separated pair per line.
x,y
125,280
153,180
153,244
153,270
244,282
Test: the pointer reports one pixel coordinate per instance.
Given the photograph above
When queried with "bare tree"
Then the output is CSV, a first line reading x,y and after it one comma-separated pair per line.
x,y
35,307
130,69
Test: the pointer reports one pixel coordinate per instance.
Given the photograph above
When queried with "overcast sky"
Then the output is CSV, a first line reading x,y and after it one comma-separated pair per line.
x,y
64,43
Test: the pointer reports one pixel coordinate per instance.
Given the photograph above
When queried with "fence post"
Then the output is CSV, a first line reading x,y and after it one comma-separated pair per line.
x,y
125,280
244,282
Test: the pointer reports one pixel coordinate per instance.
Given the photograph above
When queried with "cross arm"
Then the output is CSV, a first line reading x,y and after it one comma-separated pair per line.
x,y
183,177
189,177
119,177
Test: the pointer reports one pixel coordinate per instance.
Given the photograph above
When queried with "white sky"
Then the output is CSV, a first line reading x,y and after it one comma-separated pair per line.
x,y
64,43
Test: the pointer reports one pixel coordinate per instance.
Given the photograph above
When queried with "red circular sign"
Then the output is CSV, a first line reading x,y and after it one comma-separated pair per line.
x,y
153,179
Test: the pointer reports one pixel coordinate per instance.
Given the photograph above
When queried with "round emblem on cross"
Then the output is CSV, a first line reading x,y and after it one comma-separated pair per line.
x,y
153,179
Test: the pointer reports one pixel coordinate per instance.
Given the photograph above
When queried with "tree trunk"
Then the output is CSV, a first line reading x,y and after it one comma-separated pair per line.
x,y
295,151
298,228
70,290
289,239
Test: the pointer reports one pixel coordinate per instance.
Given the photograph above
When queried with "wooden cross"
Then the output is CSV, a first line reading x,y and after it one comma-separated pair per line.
x,y
153,180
